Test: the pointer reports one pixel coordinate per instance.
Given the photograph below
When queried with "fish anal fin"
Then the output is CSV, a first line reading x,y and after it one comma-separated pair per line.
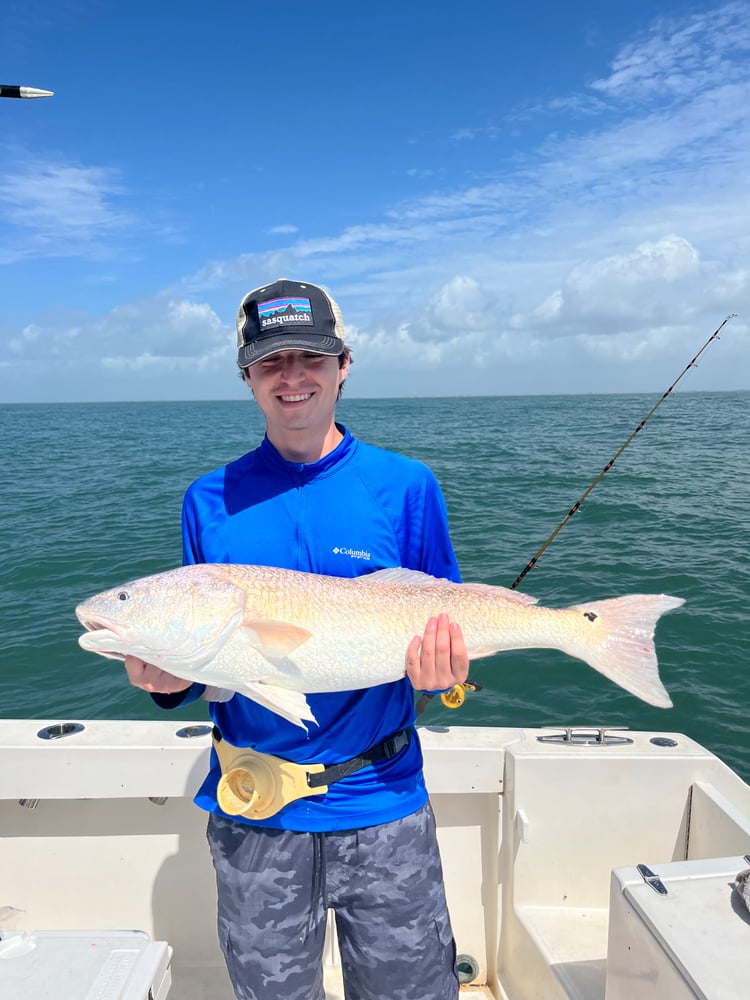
x,y
289,704
275,639
217,694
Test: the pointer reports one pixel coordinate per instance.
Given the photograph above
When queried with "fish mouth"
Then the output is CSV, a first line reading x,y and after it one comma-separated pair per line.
x,y
95,623
91,626
101,636
101,641
116,640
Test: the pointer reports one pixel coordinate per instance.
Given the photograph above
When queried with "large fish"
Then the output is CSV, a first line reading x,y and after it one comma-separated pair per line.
x,y
275,635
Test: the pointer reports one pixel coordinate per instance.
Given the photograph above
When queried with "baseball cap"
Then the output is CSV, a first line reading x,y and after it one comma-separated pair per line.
x,y
288,316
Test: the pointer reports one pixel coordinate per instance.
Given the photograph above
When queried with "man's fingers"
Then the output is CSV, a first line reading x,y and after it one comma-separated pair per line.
x,y
438,660
153,679
459,656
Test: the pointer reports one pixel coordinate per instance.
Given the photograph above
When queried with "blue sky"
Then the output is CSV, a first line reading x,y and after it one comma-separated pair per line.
x,y
503,200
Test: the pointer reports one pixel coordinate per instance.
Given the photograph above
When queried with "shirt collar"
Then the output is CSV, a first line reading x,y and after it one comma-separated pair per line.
x,y
310,470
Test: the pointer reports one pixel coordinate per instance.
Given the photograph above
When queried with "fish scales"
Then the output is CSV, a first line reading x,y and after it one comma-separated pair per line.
x,y
365,630
275,635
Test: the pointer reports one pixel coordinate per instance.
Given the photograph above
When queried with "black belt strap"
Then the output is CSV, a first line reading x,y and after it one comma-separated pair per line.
x,y
384,750
381,751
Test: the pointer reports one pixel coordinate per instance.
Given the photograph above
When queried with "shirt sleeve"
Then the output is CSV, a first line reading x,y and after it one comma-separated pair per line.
x,y
193,693
192,551
436,555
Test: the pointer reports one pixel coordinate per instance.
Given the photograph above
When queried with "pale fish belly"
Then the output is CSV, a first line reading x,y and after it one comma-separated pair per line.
x,y
339,659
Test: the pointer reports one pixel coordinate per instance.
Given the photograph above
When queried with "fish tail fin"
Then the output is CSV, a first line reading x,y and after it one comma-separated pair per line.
x,y
620,644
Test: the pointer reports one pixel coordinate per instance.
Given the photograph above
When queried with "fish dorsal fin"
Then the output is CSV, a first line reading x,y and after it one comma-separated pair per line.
x,y
505,592
290,705
398,574
274,639
417,579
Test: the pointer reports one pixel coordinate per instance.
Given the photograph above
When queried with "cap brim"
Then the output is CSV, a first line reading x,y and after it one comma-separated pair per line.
x,y
261,348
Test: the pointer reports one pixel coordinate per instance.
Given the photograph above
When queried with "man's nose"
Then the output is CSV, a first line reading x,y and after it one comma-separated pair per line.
x,y
293,367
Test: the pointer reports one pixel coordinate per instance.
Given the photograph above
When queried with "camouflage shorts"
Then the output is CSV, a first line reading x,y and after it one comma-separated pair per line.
x,y
385,884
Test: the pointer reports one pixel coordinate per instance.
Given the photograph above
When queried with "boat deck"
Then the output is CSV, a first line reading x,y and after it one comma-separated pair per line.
x,y
211,983
539,839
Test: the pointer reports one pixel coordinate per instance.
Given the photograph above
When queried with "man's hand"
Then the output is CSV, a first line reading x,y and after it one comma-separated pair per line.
x,y
153,679
437,660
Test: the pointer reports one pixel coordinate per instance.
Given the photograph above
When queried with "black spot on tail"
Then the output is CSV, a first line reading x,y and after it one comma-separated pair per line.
x,y
590,615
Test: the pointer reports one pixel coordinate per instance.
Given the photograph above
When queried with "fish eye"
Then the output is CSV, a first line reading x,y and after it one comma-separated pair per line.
x,y
123,596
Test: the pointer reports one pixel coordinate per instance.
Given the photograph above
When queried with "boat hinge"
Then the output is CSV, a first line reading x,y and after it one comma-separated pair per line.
x,y
651,879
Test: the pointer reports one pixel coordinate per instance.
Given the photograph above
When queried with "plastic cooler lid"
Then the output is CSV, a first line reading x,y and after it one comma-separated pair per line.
x,y
90,965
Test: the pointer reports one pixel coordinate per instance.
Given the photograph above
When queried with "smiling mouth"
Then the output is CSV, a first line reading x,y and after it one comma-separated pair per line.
x,y
299,397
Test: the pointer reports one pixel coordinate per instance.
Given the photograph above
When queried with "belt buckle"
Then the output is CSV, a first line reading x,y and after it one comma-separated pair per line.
x,y
393,744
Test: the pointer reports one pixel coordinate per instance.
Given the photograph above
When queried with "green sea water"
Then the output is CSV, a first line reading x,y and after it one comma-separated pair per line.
x,y
91,498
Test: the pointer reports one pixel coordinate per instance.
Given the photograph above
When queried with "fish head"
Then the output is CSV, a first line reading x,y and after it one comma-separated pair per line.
x,y
177,620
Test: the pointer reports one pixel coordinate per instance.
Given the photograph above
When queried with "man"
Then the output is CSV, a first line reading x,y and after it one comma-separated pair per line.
x,y
313,498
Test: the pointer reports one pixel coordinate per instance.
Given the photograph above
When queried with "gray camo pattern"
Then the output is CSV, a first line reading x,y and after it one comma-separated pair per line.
x,y
385,884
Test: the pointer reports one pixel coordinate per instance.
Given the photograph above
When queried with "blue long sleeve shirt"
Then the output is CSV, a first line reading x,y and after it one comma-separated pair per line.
x,y
357,510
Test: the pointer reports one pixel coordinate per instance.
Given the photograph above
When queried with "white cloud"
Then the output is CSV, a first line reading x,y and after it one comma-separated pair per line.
x,y
60,209
679,56
666,260
616,295
163,332
548,310
457,310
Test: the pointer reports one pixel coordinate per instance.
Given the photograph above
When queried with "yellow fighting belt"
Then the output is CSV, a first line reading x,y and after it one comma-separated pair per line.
x,y
257,785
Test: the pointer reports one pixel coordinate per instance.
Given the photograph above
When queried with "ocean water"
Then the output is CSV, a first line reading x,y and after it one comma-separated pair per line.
x,y
91,497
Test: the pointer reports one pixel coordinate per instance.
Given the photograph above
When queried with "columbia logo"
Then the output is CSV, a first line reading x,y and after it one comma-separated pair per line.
x,y
352,553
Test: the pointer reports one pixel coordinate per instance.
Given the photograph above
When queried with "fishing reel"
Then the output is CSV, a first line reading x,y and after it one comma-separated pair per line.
x,y
457,694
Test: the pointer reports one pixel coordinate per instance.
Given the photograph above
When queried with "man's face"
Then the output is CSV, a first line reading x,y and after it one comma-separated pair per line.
x,y
296,390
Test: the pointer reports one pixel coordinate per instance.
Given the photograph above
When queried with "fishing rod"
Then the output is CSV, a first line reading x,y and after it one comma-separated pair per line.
x,y
10,90
577,505
455,697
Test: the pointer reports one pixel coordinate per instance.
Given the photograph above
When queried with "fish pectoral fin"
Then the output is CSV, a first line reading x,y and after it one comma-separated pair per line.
x,y
275,639
289,704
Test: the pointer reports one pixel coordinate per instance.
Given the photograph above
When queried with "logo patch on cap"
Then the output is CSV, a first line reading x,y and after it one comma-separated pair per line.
x,y
279,312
